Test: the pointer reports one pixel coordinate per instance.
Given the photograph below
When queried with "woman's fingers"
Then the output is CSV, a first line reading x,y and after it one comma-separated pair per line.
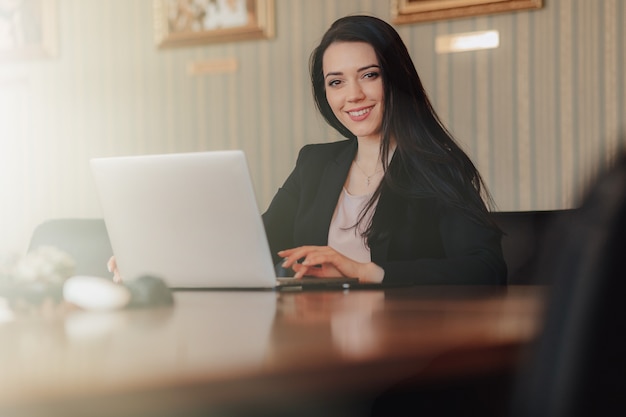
x,y
321,261
292,256
300,270
111,264
321,257
112,267
317,261
322,271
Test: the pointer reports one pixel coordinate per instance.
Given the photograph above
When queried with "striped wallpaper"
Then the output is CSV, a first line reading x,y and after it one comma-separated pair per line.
x,y
540,115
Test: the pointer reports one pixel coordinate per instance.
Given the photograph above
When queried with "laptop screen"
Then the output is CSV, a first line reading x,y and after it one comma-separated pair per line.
x,y
190,219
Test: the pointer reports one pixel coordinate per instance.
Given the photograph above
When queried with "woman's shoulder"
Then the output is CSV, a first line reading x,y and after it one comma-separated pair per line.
x,y
326,150
329,146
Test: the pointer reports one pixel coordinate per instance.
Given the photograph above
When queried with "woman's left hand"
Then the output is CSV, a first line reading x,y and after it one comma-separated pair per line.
x,y
325,262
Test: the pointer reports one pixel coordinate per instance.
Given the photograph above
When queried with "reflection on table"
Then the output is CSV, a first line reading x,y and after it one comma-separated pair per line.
x,y
254,349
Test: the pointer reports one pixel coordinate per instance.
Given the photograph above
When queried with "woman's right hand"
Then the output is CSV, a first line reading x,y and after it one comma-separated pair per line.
x,y
326,262
112,267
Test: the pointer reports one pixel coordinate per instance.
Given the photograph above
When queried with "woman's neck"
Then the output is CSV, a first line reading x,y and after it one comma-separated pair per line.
x,y
368,152
366,170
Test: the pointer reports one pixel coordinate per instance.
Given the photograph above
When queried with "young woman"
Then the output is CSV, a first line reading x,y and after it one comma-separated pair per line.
x,y
398,201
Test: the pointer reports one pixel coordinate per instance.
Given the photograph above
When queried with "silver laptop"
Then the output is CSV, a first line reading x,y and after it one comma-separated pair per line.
x,y
190,219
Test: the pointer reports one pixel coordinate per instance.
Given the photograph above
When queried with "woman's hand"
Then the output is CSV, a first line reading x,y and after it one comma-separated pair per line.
x,y
325,262
112,267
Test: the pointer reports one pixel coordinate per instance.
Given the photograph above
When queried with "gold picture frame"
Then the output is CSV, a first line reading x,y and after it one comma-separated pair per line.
x,y
411,11
28,30
186,22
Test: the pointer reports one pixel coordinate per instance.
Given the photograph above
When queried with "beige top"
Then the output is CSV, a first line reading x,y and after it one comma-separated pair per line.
x,y
342,235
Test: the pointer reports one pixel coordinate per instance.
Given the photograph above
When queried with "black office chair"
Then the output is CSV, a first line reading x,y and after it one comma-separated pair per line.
x,y
523,233
86,240
577,368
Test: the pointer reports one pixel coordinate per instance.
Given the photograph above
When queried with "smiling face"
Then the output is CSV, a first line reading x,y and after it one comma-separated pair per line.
x,y
354,87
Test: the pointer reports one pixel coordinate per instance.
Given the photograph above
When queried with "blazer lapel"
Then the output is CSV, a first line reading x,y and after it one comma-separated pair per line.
x,y
386,203
388,206
331,185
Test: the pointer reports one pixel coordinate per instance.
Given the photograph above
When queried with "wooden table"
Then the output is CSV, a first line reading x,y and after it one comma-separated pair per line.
x,y
253,351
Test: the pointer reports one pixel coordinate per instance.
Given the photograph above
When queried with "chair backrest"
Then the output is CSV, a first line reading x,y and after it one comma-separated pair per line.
x,y
86,240
524,232
577,368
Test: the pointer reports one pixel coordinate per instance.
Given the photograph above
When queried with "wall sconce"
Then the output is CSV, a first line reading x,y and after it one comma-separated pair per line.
x,y
469,41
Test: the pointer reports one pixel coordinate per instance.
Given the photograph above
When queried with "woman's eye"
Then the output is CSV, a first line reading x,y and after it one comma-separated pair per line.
x,y
370,75
333,83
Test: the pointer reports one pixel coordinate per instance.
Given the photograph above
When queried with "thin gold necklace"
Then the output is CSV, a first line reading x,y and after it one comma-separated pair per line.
x,y
368,178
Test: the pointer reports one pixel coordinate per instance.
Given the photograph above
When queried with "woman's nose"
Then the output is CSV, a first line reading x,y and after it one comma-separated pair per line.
x,y
355,92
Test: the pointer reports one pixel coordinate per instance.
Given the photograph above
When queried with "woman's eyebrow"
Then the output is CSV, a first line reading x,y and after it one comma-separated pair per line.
x,y
368,67
359,70
333,73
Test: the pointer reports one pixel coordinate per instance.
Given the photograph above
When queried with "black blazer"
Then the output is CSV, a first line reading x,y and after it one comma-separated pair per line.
x,y
426,244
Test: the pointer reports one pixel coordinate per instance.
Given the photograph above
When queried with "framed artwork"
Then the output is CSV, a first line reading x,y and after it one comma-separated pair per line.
x,y
410,11
195,22
28,29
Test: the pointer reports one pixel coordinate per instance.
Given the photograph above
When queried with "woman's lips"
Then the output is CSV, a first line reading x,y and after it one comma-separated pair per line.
x,y
359,114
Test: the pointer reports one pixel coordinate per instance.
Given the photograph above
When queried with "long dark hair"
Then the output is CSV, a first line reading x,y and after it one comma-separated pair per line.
x,y
429,161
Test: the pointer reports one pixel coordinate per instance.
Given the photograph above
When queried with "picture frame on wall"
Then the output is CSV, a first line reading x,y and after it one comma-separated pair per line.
x,y
28,30
196,22
411,11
